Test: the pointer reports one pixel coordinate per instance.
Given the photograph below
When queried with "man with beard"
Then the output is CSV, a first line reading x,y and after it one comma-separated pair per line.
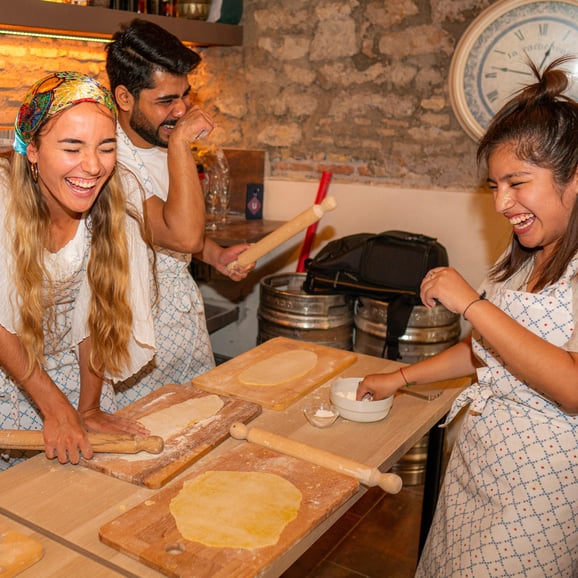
x,y
147,68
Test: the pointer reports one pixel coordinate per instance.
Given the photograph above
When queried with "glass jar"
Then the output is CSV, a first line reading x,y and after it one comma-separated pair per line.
x,y
198,10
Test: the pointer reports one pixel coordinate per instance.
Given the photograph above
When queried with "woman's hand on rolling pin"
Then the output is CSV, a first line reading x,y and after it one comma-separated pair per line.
x,y
446,286
379,385
65,437
97,421
226,262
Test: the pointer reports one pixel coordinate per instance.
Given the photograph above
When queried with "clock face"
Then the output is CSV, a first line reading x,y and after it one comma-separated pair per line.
x,y
491,61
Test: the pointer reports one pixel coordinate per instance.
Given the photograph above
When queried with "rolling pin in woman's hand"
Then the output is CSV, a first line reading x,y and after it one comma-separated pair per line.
x,y
284,232
367,475
100,442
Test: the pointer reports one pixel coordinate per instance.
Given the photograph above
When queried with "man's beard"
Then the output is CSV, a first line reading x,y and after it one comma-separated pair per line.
x,y
140,124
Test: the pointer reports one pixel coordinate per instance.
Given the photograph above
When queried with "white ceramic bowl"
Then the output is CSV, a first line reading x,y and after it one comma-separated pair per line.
x,y
343,392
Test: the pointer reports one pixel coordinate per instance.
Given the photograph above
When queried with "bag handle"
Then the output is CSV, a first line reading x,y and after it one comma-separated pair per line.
x,y
398,313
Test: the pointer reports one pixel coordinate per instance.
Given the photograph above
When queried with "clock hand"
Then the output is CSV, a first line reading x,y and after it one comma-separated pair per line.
x,y
546,54
504,69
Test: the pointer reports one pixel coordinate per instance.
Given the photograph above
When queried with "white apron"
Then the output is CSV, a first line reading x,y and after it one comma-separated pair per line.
x,y
509,504
183,345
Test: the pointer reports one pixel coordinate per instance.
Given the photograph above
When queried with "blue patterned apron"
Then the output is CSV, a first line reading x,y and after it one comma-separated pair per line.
x,y
509,505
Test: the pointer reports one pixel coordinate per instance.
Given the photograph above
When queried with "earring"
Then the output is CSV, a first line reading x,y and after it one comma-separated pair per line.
x,y
34,171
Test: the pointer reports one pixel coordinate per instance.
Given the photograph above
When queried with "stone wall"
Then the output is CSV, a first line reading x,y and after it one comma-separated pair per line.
x,y
357,87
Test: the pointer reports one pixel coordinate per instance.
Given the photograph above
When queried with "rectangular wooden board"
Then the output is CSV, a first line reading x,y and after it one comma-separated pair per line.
x,y
182,449
148,532
224,379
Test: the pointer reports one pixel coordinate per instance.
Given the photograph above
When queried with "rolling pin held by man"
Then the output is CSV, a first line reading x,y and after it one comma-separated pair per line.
x,y
284,233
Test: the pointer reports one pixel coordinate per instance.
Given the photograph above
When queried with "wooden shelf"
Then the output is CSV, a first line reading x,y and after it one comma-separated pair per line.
x,y
37,16
240,230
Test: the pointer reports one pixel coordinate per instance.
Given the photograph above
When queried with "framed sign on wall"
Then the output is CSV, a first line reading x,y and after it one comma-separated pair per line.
x,y
490,62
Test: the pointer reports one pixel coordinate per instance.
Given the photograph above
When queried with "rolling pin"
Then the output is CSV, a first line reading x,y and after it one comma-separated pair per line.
x,y
16,439
284,232
390,483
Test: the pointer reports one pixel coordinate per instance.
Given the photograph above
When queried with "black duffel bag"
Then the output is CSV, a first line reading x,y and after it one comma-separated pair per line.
x,y
388,266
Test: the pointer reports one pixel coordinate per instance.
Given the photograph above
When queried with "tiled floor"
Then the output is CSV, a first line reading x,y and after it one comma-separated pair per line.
x,y
377,538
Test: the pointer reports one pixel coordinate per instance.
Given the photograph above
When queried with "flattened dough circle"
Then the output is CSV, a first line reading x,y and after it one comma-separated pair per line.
x,y
230,509
280,368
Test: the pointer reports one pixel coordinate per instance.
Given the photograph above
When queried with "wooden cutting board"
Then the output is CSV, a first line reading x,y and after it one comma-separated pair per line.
x,y
224,379
148,532
182,449
17,551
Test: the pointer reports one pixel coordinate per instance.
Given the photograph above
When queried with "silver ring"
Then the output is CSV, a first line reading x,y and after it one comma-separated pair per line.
x,y
201,134
430,274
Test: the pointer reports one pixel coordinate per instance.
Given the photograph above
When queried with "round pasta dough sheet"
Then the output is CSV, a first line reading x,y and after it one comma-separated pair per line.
x,y
230,509
280,368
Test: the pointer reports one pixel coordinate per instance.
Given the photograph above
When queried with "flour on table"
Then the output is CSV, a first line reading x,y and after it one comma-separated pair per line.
x,y
280,368
230,509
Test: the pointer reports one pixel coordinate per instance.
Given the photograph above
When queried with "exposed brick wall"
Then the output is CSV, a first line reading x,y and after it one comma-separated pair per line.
x,y
356,87
25,60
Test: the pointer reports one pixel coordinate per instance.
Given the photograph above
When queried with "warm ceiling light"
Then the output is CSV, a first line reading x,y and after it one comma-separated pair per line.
x,y
39,33
7,31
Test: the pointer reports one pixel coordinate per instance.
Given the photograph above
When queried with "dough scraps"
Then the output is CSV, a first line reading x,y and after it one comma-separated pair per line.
x,y
17,552
231,509
280,368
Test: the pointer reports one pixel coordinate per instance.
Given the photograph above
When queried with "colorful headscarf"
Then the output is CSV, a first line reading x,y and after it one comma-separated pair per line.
x,y
50,96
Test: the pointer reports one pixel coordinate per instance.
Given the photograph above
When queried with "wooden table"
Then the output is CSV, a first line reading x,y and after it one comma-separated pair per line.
x,y
58,559
68,504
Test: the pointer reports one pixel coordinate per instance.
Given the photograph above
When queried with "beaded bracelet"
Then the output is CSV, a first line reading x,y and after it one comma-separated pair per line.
x,y
482,297
403,377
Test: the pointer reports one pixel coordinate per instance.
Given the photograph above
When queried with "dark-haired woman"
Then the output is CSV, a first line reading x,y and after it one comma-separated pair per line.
x,y
509,504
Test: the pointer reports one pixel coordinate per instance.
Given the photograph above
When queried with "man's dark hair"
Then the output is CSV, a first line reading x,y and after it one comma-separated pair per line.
x,y
140,49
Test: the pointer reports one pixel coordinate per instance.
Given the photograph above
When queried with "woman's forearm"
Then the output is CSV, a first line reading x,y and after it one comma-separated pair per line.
x,y
456,361
90,382
38,384
544,366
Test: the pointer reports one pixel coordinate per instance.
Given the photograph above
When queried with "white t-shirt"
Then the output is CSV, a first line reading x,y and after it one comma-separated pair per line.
x,y
150,166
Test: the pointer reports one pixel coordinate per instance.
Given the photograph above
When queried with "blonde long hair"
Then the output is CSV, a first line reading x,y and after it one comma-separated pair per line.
x,y
110,316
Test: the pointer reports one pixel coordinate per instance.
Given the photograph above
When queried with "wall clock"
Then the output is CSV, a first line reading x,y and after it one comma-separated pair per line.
x,y
490,61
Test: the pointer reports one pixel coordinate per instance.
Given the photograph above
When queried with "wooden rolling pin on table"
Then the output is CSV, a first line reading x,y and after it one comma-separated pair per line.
x,y
371,477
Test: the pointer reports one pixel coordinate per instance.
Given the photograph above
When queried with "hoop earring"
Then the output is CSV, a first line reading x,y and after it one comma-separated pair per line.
x,y
34,172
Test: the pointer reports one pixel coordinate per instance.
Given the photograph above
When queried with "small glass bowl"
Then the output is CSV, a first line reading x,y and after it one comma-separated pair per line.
x,y
321,414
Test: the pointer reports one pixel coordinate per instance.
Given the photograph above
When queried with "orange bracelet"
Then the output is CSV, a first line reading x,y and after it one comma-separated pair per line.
x,y
404,377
